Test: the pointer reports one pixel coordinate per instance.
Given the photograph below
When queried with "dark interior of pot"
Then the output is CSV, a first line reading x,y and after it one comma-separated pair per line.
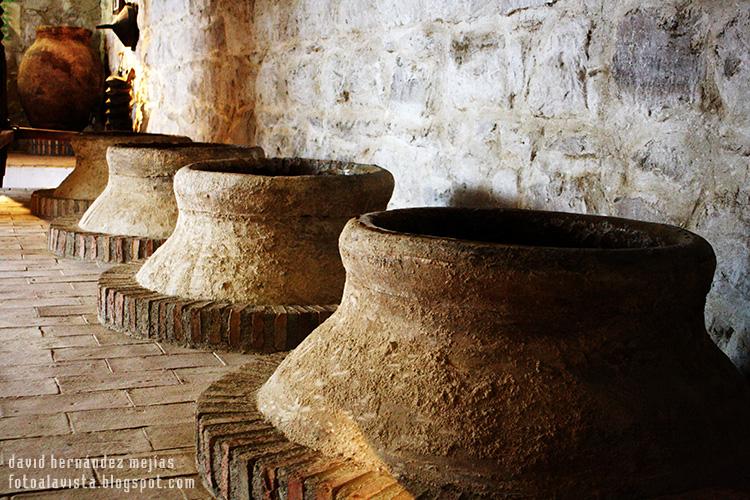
x,y
287,167
528,228
62,32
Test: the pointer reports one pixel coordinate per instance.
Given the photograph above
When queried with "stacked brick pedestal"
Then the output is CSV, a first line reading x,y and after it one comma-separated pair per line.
x,y
45,204
240,455
66,239
128,307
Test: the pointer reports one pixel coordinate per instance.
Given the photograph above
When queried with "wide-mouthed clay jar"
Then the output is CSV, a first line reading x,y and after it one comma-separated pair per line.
x,y
89,177
139,198
263,232
60,78
520,354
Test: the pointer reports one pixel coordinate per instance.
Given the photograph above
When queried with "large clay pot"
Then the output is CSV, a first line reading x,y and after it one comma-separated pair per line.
x,y
139,198
89,177
60,78
520,354
263,232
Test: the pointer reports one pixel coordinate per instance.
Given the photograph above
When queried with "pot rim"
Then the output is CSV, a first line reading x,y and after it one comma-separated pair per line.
x,y
164,159
664,238
291,187
179,145
124,136
238,170
77,32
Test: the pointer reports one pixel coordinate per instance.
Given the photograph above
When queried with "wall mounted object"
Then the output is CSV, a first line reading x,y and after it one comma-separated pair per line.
x,y
125,25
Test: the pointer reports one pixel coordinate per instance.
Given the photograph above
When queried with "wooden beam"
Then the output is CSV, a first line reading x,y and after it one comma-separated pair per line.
x,y
43,133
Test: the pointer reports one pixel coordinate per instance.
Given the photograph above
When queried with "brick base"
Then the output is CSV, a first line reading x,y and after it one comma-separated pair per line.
x,y
125,306
66,239
45,204
240,455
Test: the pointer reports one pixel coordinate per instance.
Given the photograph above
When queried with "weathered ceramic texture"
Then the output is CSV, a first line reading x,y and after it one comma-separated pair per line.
x,y
263,232
89,177
139,198
510,352
60,78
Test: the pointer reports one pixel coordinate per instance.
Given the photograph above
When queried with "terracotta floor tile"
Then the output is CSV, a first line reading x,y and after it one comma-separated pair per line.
x,y
111,351
168,394
65,330
46,311
56,403
72,387
17,388
18,345
124,418
26,357
108,337
164,362
37,425
107,381
81,444
91,368
163,437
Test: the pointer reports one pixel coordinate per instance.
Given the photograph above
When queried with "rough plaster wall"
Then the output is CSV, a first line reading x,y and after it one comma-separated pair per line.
x,y
194,73
23,18
632,108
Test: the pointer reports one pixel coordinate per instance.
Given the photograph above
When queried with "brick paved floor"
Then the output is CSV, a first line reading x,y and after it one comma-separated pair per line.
x,y
70,388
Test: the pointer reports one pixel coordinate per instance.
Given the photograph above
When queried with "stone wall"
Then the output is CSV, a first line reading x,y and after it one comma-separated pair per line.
x,y
632,108
194,68
23,17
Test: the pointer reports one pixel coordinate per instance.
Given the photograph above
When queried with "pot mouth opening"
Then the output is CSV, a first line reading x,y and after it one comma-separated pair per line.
x,y
285,167
76,32
529,228
179,145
